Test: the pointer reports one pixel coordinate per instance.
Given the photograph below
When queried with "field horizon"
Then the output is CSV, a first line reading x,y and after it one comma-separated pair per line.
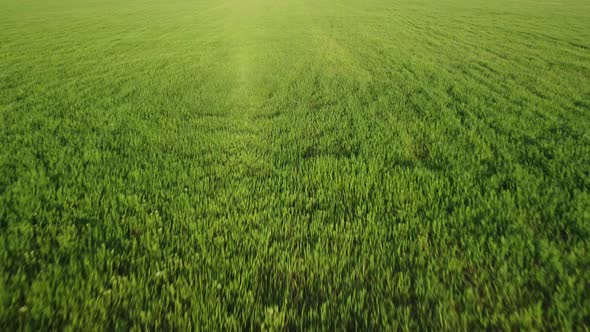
x,y
294,165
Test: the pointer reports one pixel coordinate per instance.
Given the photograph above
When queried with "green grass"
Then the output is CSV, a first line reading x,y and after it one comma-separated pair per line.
x,y
299,164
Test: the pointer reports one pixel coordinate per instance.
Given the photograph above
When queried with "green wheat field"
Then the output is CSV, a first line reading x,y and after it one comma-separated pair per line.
x,y
279,165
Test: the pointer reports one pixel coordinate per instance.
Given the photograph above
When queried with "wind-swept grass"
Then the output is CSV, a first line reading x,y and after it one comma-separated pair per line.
x,y
325,164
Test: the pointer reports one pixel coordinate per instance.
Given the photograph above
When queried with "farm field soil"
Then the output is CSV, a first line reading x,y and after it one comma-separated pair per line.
x,y
294,164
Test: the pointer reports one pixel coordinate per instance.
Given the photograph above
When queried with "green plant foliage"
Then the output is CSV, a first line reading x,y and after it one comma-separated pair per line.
x,y
294,165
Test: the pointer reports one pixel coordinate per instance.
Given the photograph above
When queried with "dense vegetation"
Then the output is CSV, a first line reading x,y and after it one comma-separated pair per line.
x,y
266,164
